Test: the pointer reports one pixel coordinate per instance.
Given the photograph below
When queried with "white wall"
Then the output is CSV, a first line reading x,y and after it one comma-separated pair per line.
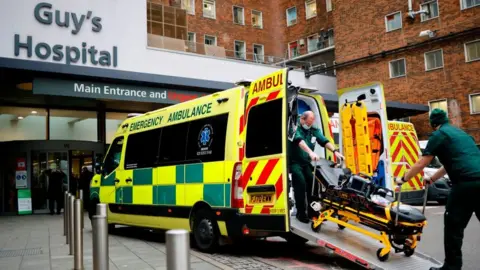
x,y
124,25
84,130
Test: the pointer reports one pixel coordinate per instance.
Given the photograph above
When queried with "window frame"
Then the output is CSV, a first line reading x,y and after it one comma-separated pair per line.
x,y
315,36
390,67
296,16
263,50
386,22
329,5
462,7
435,101
205,38
331,37
194,37
422,16
244,49
466,51
289,52
425,60
261,19
192,12
214,9
243,15
470,96
307,2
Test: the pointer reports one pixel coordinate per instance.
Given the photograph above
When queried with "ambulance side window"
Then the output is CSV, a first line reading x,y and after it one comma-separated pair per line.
x,y
142,149
112,160
264,129
173,144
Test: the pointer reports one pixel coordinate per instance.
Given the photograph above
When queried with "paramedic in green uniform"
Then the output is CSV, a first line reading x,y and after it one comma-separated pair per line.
x,y
460,157
301,156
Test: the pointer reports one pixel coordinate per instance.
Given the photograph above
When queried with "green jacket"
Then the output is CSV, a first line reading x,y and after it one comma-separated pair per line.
x,y
457,151
310,136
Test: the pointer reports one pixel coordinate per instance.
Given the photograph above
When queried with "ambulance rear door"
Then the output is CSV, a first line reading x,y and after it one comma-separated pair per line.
x,y
264,166
358,108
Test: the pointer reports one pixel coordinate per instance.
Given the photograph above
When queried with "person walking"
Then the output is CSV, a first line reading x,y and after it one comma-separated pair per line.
x,y
460,157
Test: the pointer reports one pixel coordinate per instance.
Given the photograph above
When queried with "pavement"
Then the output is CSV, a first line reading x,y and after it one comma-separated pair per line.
x,y
37,242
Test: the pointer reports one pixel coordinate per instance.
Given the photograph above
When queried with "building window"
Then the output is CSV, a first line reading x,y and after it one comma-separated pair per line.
x,y
257,19
192,42
238,15
19,123
211,40
472,51
440,104
167,21
393,21
293,50
329,5
264,129
240,50
258,53
313,43
310,8
475,103
470,3
434,60
291,16
398,68
189,6
73,125
209,9
331,41
432,9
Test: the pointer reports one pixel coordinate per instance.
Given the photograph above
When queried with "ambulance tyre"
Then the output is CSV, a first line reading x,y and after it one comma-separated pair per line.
x,y
205,230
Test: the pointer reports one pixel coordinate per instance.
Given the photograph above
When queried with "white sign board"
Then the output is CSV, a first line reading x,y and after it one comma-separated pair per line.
x,y
21,179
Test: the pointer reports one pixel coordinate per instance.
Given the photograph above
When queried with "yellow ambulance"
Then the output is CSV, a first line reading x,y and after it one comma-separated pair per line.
x,y
215,165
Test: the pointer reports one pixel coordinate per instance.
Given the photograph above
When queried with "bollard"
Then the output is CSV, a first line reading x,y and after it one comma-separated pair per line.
x,y
100,242
81,200
102,209
65,214
71,220
78,236
178,250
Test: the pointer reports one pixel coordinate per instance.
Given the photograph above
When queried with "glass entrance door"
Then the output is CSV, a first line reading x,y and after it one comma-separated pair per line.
x,y
43,164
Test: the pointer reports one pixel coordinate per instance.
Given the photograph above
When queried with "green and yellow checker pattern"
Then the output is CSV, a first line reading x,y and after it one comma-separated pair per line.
x,y
180,185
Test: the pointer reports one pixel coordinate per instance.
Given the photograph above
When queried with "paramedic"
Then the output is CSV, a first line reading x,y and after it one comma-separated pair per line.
x,y
303,146
460,157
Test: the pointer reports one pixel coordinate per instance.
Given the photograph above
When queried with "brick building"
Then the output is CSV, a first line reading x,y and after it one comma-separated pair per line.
x,y
378,41
373,41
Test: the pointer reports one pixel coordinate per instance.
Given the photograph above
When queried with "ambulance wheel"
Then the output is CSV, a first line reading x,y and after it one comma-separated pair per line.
x,y
409,252
205,231
384,257
317,229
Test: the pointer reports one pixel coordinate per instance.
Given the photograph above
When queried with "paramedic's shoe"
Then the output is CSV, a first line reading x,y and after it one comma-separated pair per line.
x,y
302,218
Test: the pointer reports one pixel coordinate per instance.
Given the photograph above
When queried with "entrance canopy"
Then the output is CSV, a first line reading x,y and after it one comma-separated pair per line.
x,y
395,110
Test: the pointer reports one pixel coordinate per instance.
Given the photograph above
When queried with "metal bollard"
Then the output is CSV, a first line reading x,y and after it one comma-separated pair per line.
x,y
81,200
100,242
65,214
178,250
78,236
102,209
71,220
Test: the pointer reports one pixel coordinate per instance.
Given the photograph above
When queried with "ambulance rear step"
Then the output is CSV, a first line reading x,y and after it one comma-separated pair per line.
x,y
359,248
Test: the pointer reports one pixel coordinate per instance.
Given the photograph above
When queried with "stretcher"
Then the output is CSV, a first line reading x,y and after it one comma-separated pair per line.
x,y
356,138
351,199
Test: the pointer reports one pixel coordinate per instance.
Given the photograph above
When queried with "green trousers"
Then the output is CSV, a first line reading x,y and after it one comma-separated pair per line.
x,y
462,202
302,180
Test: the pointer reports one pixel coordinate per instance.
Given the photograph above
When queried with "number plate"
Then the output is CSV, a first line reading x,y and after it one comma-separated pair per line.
x,y
261,198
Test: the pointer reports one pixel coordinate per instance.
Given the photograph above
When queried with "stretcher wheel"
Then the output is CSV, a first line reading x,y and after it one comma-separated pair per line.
x,y
384,257
315,229
409,252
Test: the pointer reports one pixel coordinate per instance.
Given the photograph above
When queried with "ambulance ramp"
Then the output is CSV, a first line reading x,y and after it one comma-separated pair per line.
x,y
359,248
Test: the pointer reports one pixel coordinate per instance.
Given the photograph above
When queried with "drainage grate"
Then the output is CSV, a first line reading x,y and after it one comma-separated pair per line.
x,y
20,252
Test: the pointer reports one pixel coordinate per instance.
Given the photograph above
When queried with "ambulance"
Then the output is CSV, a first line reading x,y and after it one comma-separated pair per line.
x,y
405,149
217,166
